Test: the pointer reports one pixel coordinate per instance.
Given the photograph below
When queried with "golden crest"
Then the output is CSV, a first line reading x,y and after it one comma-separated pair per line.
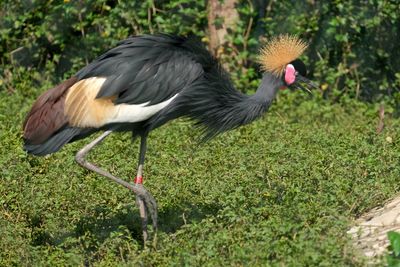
x,y
280,51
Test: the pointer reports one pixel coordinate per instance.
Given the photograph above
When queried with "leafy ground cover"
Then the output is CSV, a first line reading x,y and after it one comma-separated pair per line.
x,y
281,191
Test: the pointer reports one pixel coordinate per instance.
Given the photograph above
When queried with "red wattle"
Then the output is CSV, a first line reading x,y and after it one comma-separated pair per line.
x,y
290,74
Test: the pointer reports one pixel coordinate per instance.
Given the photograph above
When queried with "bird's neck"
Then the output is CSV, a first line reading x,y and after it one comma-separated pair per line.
x,y
252,107
238,109
267,90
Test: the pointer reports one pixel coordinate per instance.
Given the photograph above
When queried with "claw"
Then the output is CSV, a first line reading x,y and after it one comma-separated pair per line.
x,y
153,214
145,201
151,205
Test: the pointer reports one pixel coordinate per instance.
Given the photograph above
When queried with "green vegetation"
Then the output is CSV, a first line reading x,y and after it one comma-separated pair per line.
x,y
393,259
281,191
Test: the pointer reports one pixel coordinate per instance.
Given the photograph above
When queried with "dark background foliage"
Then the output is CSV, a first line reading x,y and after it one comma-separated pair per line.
x,y
354,45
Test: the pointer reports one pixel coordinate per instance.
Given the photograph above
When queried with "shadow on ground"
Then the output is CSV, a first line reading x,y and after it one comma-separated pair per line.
x,y
104,221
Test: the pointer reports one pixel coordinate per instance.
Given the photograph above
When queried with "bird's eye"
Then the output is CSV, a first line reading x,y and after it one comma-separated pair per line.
x,y
296,73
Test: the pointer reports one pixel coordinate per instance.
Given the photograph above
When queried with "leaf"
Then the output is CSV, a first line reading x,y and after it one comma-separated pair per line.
x,y
392,262
394,239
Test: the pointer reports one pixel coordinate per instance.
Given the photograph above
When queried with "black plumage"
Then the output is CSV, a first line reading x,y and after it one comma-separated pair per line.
x,y
153,68
150,68
216,105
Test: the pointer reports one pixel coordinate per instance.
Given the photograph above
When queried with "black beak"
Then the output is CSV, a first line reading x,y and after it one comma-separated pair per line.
x,y
300,80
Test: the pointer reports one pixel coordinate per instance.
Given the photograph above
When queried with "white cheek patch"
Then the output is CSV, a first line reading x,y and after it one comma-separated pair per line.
x,y
290,74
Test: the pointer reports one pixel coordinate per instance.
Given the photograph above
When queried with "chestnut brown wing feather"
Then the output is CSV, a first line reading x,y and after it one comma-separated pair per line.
x,y
47,114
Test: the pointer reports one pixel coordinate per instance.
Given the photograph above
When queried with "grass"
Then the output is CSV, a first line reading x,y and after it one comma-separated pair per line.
x,y
282,191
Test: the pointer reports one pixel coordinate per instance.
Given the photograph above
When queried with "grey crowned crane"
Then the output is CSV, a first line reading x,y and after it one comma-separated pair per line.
x,y
146,81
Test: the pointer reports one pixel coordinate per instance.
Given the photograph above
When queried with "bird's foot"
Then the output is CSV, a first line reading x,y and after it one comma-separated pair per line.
x,y
146,202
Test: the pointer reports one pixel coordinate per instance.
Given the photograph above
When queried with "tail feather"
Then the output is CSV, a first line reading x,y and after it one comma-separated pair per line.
x,y
54,143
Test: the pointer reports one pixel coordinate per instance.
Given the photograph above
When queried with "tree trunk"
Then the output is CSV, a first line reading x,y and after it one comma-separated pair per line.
x,y
222,16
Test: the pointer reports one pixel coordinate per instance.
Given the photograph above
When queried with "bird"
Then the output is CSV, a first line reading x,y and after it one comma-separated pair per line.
x,y
144,82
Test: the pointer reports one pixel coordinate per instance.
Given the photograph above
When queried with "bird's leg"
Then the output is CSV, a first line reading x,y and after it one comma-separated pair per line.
x,y
140,191
139,183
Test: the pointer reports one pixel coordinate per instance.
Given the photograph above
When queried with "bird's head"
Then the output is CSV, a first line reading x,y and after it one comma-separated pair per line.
x,y
280,58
